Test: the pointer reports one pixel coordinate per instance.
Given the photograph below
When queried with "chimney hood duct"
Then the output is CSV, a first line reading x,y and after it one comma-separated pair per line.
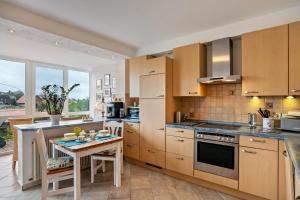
x,y
221,64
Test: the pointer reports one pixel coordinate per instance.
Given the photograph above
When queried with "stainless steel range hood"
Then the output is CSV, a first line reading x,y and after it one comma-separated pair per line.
x,y
221,64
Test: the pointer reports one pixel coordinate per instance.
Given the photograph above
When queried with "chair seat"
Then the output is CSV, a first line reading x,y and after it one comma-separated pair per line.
x,y
59,170
59,163
106,154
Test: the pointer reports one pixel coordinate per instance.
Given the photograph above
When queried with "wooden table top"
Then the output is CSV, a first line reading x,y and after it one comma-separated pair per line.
x,y
84,146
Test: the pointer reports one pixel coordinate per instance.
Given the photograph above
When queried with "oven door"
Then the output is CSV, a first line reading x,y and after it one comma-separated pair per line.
x,y
219,158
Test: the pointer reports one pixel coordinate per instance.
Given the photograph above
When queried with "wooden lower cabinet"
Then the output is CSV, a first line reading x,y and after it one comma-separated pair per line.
x,y
153,156
178,163
258,172
132,150
180,146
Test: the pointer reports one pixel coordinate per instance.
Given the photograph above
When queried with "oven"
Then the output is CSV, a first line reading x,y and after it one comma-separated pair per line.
x,y
217,153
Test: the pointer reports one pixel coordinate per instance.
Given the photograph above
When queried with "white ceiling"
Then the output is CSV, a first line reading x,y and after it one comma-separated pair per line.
x,y
144,22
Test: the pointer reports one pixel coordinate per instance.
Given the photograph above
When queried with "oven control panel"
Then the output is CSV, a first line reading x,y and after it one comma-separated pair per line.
x,y
218,137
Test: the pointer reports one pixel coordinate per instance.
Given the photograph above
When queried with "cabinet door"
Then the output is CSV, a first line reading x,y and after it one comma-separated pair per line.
x,y
155,66
258,172
132,150
137,66
188,65
294,58
153,156
153,86
180,146
152,123
282,172
181,164
265,62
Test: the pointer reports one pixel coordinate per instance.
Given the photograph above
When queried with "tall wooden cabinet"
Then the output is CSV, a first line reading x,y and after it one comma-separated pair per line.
x,y
189,64
294,58
265,62
156,108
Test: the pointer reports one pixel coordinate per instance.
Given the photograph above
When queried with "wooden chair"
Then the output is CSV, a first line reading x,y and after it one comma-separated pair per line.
x,y
12,122
54,175
114,128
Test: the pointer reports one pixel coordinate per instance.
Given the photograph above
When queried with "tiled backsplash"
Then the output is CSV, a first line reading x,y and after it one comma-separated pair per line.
x,y
226,103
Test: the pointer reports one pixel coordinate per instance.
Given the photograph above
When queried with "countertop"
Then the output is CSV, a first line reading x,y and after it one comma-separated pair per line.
x,y
292,140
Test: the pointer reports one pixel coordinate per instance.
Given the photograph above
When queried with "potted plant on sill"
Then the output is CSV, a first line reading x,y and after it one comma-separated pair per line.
x,y
54,97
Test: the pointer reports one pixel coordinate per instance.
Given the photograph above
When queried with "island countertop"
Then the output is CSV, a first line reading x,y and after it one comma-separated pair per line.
x,y
48,125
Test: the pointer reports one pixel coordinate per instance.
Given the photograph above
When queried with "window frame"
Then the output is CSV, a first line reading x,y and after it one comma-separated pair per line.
x,y
30,84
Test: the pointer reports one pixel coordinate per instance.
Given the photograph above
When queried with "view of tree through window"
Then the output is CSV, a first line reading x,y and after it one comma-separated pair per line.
x,y
46,76
12,88
79,97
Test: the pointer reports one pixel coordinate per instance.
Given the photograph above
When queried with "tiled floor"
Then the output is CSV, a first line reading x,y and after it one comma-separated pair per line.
x,y
137,184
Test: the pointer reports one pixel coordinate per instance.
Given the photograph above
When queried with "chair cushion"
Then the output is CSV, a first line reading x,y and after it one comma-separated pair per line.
x,y
59,163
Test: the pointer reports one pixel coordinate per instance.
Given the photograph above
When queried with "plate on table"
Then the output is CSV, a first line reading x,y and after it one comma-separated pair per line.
x,y
67,139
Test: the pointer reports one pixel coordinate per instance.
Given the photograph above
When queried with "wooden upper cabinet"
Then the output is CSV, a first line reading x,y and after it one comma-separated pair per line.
x,y
152,86
294,58
137,66
188,65
155,66
265,62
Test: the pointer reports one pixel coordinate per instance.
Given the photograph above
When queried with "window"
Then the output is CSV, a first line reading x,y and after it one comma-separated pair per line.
x,y
46,76
79,97
12,88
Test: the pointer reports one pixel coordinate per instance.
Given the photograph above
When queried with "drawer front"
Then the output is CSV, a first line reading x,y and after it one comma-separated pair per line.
x,y
180,146
132,150
179,132
181,164
131,136
259,143
132,127
153,156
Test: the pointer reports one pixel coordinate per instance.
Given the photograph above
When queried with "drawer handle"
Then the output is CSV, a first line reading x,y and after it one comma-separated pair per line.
x,y
180,131
180,140
256,140
251,92
298,198
162,95
247,151
161,129
129,131
193,92
295,90
150,151
128,145
151,71
178,158
284,153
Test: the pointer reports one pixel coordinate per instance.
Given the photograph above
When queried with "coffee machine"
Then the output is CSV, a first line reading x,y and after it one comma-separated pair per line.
x,y
113,109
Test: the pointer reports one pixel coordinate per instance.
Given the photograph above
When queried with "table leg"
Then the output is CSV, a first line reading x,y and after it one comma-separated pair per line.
x,y
77,186
118,165
55,155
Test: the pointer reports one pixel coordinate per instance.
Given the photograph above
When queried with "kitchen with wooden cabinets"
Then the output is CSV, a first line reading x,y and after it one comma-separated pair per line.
x,y
269,63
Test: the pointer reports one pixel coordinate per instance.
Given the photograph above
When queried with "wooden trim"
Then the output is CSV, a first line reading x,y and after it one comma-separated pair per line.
x,y
200,182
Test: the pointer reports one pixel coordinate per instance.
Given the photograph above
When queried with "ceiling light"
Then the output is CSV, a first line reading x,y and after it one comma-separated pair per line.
x,y
57,43
11,30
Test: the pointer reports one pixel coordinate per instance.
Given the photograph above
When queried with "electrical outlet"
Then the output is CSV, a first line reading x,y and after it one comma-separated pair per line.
x,y
269,105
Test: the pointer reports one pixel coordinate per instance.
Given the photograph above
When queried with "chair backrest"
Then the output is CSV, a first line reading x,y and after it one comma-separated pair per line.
x,y
17,121
70,118
114,127
42,148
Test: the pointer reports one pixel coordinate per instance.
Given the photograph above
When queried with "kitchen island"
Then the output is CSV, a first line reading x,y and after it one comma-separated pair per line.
x,y
28,163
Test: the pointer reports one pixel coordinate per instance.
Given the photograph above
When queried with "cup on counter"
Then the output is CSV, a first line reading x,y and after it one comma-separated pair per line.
x,y
268,123
81,138
93,136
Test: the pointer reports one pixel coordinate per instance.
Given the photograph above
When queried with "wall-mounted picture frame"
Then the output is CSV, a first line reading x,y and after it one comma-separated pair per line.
x,y
107,79
99,97
99,84
107,92
114,83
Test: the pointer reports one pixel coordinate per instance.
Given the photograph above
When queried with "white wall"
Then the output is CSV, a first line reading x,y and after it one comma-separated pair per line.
x,y
274,19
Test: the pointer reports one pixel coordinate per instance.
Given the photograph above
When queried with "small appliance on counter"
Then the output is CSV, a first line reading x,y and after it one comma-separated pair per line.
x,y
133,112
252,120
114,109
291,121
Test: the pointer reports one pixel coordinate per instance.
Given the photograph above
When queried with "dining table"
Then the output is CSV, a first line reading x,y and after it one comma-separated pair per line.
x,y
88,147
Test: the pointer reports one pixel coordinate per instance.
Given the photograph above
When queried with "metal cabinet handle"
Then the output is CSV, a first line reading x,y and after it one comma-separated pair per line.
x,y
193,92
180,131
178,158
151,71
284,153
180,140
247,151
128,145
161,129
295,90
251,92
256,140
150,151
298,198
128,131
161,95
